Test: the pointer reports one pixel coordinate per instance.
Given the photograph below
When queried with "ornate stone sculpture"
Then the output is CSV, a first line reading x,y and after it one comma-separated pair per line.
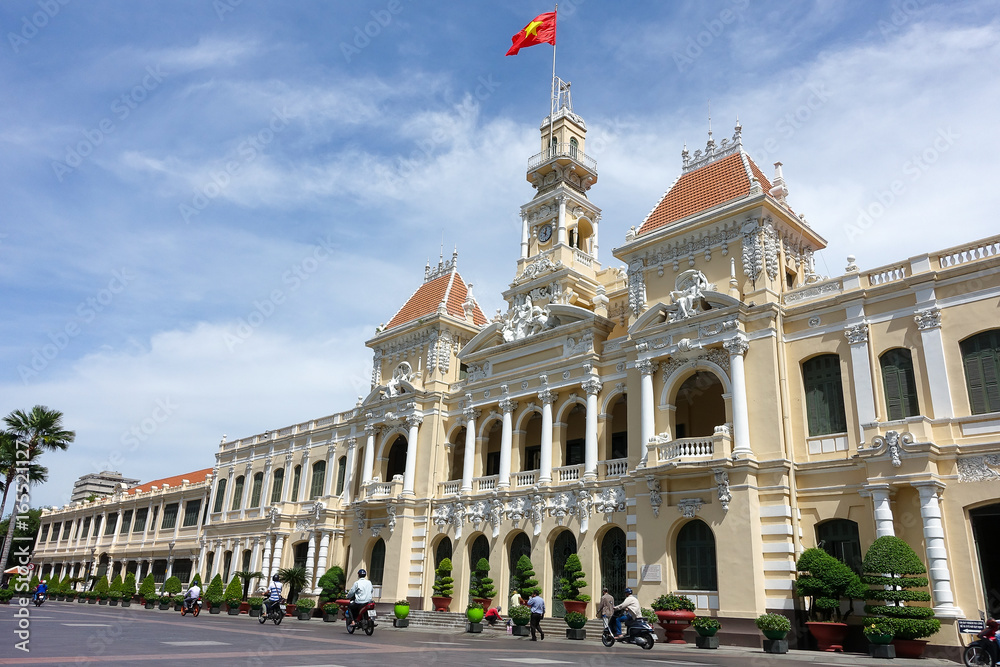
x,y
979,468
722,482
655,499
637,286
688,299
893,442
538,506
610,501
584,501
390,511
525,320
496,513
689,507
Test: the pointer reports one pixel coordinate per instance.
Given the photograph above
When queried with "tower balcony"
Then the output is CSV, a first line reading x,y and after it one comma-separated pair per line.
x,y
563,154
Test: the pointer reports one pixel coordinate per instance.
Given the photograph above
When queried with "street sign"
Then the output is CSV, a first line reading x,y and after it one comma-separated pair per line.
x,y
968,627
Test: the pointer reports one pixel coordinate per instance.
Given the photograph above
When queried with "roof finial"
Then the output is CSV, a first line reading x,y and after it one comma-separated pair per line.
x,y
710,146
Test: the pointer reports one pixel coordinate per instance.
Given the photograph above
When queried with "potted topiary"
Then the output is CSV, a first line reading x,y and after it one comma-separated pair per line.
x,y
826,581
443,586
523,579
215,594
576,621
128,589
331,585
102,589
233,596
892,569
152,600
401,609
256,604
304,608
570,584
775,627
166,601
520,616
674,613
706,627
178,601
481,587
172,586
147,588
330,610
879,630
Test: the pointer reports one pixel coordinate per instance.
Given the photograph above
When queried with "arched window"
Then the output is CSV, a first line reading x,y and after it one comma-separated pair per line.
x,y
237,493
318,479
377,568
840,539
341,474
296,478
981,358
246,560
899,383
696,557
613,549
220,495
276,484
519,546
824,395
563,547
443,551
480,549
255,490
396,465
574,147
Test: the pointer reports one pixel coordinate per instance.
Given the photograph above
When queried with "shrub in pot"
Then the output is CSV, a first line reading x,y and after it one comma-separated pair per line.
x,y
570,584
893,570
214,603
774,626
879,630
178,601
332,584
520,615
401,608
481,588
172,586
475,612
330,610
706,626
575,620
304,607
523,578
674,613
147,588
826,581
443,585
152,600
128,589
234,595
256,604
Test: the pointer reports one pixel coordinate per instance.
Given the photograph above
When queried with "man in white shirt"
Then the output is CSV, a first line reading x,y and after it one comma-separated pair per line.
x,y
361,594
631,606
273,594
192,595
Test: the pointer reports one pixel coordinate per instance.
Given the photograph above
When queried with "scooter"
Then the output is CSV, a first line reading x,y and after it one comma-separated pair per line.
x,y
193,606
366,619
639,632
40,598
275,613
978,653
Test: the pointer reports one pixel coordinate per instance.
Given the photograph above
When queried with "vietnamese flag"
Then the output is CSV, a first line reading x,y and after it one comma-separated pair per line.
x,y
541,30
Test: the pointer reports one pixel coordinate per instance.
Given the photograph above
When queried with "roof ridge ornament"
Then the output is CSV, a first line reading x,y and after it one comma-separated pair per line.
x,y
713,151
443,267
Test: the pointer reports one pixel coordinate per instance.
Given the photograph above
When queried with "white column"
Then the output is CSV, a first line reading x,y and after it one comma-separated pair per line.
x,y
266,565
413,421
861,370
546,396
247,483
180,516
331,472
286,482
647,423
929,323
310,561
737,347
506,437
937,552
324,554
201,555
213,489
352,448
279,543
883,510
229,490
170,566
217,564
561,233
592,387
254,554
265,498
524,237
470,445
369,464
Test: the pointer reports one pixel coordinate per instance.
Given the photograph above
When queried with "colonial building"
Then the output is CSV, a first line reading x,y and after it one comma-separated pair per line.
x,y
690,423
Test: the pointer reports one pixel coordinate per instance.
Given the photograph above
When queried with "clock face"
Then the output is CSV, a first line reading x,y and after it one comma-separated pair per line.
x,y
545,233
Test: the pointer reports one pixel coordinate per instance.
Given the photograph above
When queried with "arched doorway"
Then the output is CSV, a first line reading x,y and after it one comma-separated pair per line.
x,y
563,547
376,571
613,563
986,532
519,546
700,406
396,463
696,569
443,551
480,549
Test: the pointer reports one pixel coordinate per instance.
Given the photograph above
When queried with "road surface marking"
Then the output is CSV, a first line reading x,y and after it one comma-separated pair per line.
x,y
197,643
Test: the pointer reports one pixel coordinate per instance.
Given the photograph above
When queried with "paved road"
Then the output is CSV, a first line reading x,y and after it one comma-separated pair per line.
x,y
63,633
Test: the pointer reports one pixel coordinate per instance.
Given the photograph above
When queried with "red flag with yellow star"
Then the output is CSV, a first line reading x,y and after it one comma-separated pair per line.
x,y
541,30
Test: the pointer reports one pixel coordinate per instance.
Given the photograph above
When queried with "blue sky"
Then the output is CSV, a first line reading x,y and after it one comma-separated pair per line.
x,y
207,208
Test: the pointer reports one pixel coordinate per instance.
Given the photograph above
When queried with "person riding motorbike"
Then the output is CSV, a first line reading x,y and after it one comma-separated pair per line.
x,y
273,594
360,594
989,639
192,595
630,605
41,589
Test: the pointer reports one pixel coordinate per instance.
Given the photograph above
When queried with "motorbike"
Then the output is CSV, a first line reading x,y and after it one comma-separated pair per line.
x,y
193,606
977,653
275,613
638,632
40,598
366,619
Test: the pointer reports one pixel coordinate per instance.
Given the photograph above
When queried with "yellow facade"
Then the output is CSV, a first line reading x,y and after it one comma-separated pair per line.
x,y
675,423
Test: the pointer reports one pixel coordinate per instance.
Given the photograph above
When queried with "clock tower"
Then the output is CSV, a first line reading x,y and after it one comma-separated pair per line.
x,y
558,262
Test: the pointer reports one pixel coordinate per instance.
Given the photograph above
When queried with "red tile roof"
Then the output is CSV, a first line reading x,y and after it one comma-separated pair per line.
x,y
709,186
448,288
193,477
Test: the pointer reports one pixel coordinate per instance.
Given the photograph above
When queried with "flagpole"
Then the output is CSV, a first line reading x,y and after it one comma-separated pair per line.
x,y
552,96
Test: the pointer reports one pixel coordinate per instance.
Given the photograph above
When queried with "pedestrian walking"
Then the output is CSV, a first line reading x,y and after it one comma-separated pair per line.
x,y
537,605
606,607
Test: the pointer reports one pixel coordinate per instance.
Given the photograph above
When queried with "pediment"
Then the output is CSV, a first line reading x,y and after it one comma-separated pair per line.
x,y
659,313
557,317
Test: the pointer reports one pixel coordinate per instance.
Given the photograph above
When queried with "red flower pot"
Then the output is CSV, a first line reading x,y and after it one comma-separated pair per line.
x,y
909,648
575,605
441,604
829,636
674,623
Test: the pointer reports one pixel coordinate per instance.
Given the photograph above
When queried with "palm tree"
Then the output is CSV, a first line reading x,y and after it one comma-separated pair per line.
x,y
40,430
295,577
9,467
247,576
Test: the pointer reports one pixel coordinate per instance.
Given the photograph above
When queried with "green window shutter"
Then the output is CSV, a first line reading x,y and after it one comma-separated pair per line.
x,y
824,395
220,495
258,483
238,492
318,479
900,383
341,473
981,358
279,478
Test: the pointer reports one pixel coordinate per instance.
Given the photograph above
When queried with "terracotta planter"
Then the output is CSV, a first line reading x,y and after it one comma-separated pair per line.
x,y
486,602
441,604
829,636
674,623
909,648
244,607
575,605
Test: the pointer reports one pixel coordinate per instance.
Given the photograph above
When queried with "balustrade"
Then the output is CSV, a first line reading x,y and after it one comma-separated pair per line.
x,y
568,473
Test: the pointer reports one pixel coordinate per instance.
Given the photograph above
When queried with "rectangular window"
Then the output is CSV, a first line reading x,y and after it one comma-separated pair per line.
x,y
191,511
140,520
126,522
295,483
824,395
318,479
341,473
279,478
43,534
532,458
56,527
220,495
258,484
109,524
493,463
237,493
619,445
574,452
169,516
86,528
